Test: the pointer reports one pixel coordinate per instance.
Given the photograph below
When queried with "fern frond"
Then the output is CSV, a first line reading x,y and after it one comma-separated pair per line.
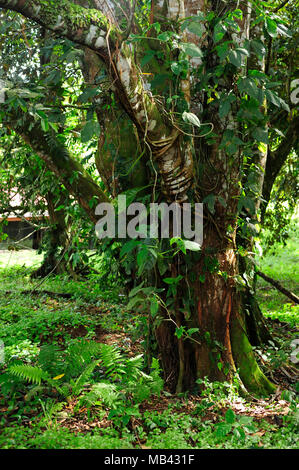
x,y
133,368
105,392
32,374
84,377
113,361
79,355
50,358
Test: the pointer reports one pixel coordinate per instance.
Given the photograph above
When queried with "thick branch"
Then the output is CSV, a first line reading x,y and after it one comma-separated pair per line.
x,y
88,27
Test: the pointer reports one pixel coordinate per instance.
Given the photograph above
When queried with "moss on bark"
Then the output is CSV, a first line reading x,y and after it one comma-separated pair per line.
x,y
251,375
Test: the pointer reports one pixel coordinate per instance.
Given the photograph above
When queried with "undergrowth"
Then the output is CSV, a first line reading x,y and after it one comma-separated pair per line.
x,y
74,374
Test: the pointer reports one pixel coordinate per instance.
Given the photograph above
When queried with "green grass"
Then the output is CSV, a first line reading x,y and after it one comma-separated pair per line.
x,y
282,264
28,258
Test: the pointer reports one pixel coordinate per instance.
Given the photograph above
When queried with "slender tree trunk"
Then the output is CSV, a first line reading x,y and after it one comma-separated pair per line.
x,y
57,239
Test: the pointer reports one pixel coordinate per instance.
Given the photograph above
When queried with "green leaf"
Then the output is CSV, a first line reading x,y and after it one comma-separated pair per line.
x,y
178,68
247,85
191,118
157,27
247,203
154,307
136,289
273,98
179,332
146,259
261,135
45,125
223,49
237,14
235,58
250,111
90,129
173,280
223,429
179,242
219,31
224,108
195,28
128,247
192,246
225,105
230,416
258,47
245,420
164,36
147,57
191,49
230,142
243,51
282,29
87,94
191,331
250,428
271,27
210,200
239,433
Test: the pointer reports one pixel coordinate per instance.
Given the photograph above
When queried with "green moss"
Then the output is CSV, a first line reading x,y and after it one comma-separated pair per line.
x,y
74,16
78,15
251,375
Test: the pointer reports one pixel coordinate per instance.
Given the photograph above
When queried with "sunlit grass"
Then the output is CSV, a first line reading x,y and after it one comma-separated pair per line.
x,y
29,258
282,264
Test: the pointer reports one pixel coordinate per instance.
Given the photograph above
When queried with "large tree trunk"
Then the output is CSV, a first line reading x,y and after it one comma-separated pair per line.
x,y
221,347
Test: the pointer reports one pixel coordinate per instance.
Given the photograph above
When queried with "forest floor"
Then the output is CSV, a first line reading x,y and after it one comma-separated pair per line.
x,y
114,409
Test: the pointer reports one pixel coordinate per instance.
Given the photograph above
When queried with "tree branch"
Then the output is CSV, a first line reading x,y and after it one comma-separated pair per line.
x,y
279,287
91,28
87,27
281,6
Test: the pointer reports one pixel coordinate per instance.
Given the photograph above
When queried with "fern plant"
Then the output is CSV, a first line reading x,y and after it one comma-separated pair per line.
x,y
113,361
32,374
122,386
126,385
67,372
